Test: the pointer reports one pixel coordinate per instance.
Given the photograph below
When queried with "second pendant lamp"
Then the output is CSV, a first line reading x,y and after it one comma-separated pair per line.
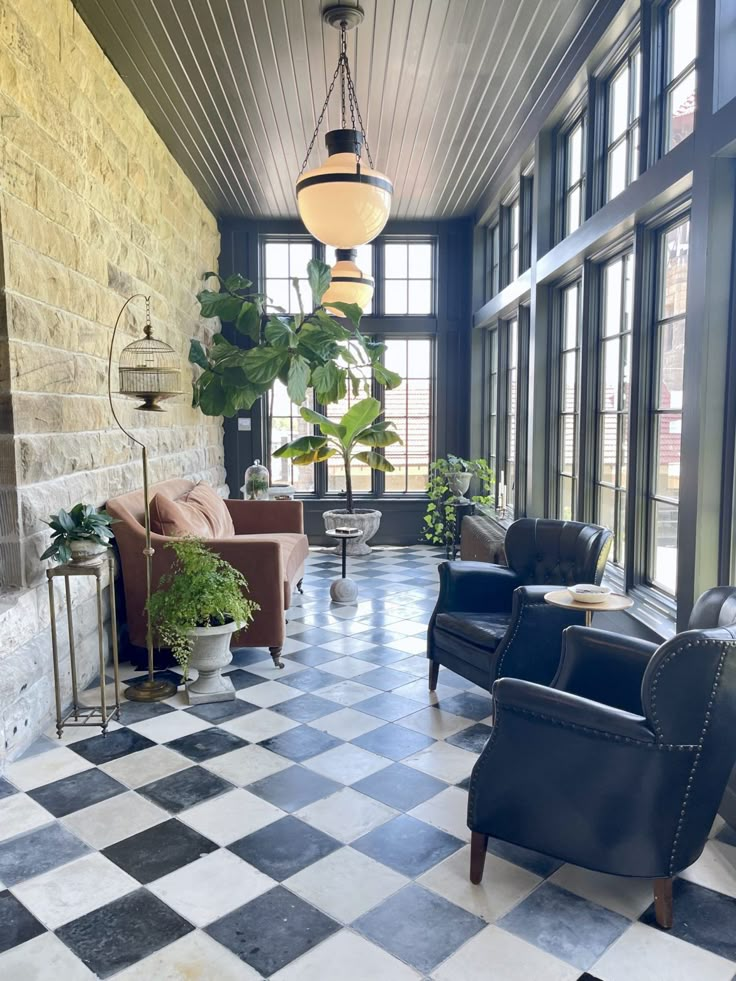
x,y
344,203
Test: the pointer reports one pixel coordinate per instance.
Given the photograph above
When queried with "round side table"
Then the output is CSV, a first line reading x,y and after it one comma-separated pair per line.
x,y
612,603
344,590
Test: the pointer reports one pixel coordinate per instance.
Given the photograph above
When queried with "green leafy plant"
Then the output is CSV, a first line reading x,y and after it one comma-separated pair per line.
x,y
255,486
84,523
200,590
358,427
439,519
312,350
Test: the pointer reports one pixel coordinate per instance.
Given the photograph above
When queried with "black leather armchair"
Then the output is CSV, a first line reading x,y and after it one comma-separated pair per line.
x,y
620,765
491,621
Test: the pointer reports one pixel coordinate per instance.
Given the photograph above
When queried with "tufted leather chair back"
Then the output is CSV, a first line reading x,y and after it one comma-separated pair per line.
x,y
544,551
689,699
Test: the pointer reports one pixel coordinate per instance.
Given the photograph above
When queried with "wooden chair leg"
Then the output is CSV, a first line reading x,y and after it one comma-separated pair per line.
x,y
275,653
434,670
478,844
663,902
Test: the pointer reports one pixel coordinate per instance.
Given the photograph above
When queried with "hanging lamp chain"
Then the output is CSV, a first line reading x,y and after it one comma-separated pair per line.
x,y
346,85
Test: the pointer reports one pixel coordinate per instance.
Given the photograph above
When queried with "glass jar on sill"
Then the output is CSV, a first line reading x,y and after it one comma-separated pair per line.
x,y
256,483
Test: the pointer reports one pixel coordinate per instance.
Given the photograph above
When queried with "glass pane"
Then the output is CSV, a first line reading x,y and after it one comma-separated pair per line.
x,y
300,254
612,286
514,224
305,294
569,382
420,260
571,316
395,296
606,507
619,546
618,104
673,291
681,110
626,369
395,358
628,270
575,154
617,169
669,428
565,509
574,209
671,364
611,377
683,35
567,445
608,448
277,290
277,259
395,260
420,296
514,263
634,153
634,109
664,571
419,358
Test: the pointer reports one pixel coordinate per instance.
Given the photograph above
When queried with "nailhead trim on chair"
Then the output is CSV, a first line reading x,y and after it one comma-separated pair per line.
x,y
706,724
524,606
601,733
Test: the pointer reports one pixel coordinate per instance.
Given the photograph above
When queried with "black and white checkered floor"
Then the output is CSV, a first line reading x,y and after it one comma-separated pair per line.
x,y
314,830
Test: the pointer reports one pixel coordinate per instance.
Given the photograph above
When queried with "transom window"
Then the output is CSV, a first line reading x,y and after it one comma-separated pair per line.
x,y
568,405
408,278
681,28
493,272
622,144
574,166
614,368
666,416
282,261
410,407
514,233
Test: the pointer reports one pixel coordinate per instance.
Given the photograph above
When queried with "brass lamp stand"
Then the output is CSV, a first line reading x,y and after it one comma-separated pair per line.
x,y
148,370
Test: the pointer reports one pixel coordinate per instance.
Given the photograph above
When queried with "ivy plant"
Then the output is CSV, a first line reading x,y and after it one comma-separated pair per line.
x,y
439,519
306,350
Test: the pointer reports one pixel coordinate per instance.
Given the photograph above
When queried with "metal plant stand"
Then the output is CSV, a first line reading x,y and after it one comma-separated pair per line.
x,y
344,590
85,715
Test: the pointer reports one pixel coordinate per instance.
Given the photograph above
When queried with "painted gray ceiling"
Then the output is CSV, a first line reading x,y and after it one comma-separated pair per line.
x,y
235,87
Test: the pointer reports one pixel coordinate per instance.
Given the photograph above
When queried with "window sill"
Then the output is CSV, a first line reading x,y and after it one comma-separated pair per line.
x,y
653,609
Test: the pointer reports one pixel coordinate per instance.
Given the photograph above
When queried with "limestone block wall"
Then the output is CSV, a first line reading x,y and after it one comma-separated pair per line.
x,y
93,208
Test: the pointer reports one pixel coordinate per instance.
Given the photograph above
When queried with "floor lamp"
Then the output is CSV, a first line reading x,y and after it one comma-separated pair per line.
x,y
148,370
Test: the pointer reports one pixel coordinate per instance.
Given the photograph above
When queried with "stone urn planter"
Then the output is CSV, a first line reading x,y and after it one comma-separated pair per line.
x,y
366,519
85,551
210,654
458,484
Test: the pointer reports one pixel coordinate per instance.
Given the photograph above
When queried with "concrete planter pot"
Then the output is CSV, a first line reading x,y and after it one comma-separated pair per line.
x,y
85,551
458,484
210,654
366,519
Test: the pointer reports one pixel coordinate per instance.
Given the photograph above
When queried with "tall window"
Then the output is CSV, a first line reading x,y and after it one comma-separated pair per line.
x,y
283,260
492,396
568,406
286,425
681,30
613,400
408,278
513,217
507,479
410,407
666,419
574,184
622,144
493,270
364,262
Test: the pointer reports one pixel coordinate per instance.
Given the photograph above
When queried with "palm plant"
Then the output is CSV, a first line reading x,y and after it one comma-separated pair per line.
x,y
358,427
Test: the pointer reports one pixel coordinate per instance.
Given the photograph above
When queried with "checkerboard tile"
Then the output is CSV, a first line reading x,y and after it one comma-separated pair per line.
x,y
330,796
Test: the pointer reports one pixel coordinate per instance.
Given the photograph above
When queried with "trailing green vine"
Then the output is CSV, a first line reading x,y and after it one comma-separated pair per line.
x,y
439,519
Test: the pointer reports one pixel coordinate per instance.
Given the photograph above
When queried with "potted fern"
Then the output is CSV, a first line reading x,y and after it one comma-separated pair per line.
x,y
197,608
347,438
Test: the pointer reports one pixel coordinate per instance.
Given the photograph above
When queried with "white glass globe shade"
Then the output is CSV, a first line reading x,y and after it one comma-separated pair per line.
x,y
348,285
338,205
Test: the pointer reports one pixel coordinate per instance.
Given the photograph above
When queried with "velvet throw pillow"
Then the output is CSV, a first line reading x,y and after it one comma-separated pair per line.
x,y
201,512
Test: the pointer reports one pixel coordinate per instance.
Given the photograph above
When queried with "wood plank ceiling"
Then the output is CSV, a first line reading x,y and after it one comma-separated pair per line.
x,y
234,87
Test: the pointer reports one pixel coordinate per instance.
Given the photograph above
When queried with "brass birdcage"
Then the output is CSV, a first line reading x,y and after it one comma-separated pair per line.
x,y
149,370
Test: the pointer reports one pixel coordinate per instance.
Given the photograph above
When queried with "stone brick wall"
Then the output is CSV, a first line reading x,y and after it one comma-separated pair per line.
x,y
93,208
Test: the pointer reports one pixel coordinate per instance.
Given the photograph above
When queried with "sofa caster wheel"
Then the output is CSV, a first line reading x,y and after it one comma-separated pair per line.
x,y
299,586
275,653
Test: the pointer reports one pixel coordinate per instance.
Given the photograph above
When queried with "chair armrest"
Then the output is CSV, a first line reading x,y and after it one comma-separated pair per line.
x,y
469,587
262,517
532,645
560,708
604,667
260,563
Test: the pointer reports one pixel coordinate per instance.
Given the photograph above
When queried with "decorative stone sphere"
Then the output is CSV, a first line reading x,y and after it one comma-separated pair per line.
x,y
343,591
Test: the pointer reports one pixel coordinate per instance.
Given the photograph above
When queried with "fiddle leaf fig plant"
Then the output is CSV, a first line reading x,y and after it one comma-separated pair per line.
x,y
439,519
303,351
358,427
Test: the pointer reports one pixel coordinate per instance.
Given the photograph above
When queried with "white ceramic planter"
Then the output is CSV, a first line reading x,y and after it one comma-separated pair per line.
x,y
85,551
210,654
365,519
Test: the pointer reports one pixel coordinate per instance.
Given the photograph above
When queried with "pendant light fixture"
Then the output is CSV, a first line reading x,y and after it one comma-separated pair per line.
x,y
343,203
348,283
